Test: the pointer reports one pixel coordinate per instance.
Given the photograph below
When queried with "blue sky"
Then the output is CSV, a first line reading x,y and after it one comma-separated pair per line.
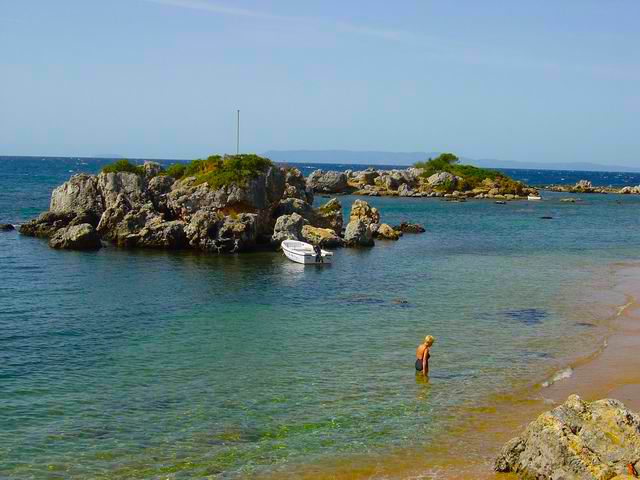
x,y
523,81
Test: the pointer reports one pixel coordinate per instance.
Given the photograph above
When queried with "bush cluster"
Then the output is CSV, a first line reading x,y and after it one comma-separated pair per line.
x,y
123,165
217,171
470,177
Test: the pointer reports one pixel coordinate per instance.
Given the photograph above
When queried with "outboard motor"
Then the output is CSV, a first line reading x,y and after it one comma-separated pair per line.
x,y
318,250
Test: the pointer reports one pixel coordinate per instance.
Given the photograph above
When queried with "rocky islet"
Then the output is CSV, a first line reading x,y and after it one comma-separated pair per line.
x,y
149,209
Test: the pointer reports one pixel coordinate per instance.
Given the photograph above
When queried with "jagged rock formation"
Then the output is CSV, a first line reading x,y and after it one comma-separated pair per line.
x,y
577,440
148,209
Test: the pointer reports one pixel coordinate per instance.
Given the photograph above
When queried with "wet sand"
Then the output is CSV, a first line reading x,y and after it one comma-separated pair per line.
x,y
467,451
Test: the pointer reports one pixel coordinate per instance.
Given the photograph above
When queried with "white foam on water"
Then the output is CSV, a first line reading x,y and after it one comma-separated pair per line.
x,y
561,375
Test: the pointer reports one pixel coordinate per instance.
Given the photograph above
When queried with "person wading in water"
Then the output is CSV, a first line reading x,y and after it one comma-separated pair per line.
x,y
422,355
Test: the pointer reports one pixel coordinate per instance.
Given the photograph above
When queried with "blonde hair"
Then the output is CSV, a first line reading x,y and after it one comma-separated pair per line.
x,y
428,340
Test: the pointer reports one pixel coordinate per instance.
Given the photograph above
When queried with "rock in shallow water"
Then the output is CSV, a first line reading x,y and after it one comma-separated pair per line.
x,y
288,227
6,227
325,237
577,440
76,237
358,234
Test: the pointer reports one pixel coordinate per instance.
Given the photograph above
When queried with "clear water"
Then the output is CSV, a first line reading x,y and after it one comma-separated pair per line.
x,y
134,364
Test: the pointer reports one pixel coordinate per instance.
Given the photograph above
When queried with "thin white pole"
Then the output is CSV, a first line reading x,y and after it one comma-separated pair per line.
x,y
238,135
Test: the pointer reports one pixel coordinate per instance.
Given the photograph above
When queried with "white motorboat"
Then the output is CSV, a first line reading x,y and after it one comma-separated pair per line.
x,y
304,253
534,197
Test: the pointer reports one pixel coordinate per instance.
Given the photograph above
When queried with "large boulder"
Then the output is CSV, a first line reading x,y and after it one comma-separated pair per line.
x,y
151,169
78,194
577,440
442,178
76,237
361,210
358,234
296,186
325,237
288,227
327,182
290,206
329,216
385,232
131,185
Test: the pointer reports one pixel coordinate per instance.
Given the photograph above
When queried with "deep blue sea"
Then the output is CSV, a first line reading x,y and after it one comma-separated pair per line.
x,y
126,364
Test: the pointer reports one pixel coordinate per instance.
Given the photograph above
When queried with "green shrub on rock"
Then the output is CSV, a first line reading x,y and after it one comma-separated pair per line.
x,y
217,171
123,165
469,177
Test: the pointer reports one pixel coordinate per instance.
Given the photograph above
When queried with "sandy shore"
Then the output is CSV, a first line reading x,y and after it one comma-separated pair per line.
x,y
468,450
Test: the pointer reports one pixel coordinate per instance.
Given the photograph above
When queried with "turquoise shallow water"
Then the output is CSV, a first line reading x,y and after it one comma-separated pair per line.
x,y
122,364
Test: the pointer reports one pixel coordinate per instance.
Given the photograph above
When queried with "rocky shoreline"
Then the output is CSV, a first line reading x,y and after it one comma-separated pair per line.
x,y
585,186
151,209
411,182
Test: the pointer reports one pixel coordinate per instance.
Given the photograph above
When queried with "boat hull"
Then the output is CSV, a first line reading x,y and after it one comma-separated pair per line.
x,y
303,253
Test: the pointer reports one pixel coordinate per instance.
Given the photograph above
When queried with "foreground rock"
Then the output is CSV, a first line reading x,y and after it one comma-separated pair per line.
x,y
76,237
6,227
577,440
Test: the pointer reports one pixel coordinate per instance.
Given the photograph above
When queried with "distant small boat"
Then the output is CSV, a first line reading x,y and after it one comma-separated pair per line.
x,y
534,197
500,202
301,252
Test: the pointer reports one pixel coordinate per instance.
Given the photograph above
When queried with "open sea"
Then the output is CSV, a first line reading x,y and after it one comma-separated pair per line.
x,y
152,365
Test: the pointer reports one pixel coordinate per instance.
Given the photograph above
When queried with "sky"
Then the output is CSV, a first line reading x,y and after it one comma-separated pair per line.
x,y
522,81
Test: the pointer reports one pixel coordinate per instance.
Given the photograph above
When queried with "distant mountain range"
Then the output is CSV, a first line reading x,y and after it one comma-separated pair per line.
x,y
409,158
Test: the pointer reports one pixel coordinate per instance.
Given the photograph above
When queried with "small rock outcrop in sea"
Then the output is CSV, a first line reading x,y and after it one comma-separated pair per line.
x,y
426,179
145,207
406,227
358,234
325,237
327,182
585,186
577,440
6,227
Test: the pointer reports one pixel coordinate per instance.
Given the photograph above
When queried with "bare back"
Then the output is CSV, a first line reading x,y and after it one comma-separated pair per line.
x,y
420,351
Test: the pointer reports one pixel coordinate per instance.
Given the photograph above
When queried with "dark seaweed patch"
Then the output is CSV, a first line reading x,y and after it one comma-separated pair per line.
x,y
585,324
528,316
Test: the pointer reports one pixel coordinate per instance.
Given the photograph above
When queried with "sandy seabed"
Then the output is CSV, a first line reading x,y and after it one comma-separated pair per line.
x,y
467,451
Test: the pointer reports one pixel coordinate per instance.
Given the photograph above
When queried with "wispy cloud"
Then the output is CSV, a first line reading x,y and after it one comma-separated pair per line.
x,y
382,33
443,48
